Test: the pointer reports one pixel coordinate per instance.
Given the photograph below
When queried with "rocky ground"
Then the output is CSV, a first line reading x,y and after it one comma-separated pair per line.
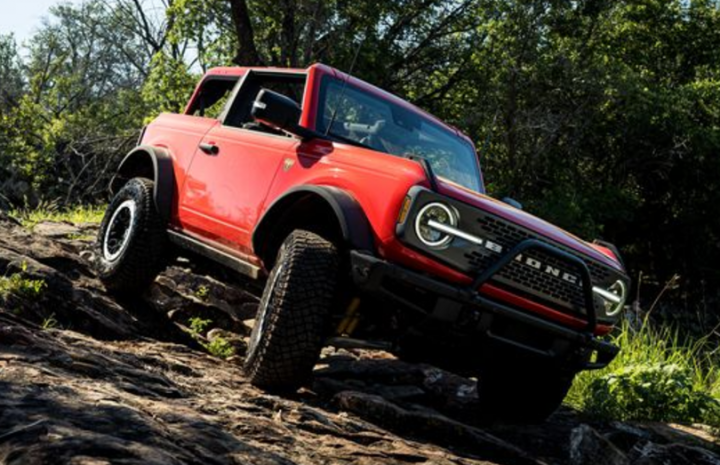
x,y
86,379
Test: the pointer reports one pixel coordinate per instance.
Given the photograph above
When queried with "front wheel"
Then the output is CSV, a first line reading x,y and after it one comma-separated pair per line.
x,y
521,393
132,243
292,319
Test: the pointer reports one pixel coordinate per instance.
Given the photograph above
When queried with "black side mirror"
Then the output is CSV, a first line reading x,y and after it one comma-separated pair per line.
x,y
512,203
278,111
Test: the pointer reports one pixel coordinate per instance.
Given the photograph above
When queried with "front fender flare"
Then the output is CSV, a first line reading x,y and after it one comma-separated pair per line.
x,y
354,225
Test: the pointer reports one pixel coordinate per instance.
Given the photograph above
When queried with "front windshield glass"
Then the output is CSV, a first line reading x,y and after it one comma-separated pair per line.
x,y
382,125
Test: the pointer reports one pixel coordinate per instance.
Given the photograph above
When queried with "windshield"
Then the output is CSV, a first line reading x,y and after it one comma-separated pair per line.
x,y
380,124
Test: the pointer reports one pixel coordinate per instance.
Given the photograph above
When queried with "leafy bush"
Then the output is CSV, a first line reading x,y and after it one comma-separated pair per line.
x,y
656,377
17,284
661,392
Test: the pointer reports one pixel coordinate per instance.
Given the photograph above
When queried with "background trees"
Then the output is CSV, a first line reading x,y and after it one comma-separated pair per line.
x,y
602,116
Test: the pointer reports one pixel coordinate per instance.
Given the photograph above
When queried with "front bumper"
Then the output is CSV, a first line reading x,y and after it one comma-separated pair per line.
x,y
483,317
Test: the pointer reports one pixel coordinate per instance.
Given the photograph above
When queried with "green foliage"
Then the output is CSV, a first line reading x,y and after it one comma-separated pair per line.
x,y
18,285
203,22
79,109
220,347
655,377
198,325
168,86
202,292
656,392
10,72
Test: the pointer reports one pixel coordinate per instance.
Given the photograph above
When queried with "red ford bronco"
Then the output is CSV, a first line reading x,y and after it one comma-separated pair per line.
x,y
368,223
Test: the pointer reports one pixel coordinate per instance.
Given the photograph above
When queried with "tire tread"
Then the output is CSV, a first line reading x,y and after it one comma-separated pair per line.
x,y
299,310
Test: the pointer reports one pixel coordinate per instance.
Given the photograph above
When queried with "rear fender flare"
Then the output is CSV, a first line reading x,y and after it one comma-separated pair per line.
x,y
154,163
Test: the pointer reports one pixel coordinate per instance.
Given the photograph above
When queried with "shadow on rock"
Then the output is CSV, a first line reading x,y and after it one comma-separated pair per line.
x,y
155,324
414,400
55,424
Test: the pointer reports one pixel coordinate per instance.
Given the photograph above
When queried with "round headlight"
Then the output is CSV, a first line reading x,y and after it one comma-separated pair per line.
x,y
619,289
435,213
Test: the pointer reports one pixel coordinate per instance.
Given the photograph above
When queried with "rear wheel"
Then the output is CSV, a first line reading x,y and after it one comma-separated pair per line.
x,y
132,243
520,393
292,319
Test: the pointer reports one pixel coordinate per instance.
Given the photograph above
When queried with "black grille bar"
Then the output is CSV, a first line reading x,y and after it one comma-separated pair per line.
x,y
522,278
529,244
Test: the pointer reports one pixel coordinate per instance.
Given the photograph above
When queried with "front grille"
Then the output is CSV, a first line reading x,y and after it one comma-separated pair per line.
x,y
530,279
519,276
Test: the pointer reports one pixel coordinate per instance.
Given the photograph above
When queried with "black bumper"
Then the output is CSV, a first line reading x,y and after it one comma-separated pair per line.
x,y
576,350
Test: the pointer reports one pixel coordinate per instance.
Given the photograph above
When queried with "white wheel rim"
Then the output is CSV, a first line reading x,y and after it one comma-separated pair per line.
x,y
117,233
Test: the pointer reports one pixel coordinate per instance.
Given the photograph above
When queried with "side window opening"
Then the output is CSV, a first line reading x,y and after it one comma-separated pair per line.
x,y
213,96
239,115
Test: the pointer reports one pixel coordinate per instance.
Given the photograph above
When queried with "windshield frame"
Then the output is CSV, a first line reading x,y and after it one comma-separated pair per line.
x,y
357,85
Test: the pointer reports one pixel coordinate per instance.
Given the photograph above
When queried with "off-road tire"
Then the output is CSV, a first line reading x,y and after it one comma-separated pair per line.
x,y
144,253
292,320
521,393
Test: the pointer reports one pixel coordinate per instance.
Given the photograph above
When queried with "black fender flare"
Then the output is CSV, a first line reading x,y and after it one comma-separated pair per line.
x,y
354,225
138,163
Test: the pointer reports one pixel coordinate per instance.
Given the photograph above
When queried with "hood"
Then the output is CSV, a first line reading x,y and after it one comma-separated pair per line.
x,y
519,217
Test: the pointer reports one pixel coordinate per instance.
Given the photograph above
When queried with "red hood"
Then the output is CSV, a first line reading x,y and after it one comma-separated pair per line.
x,y
526,220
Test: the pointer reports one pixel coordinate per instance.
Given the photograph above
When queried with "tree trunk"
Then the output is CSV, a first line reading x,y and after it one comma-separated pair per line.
x,y
288,46
247,54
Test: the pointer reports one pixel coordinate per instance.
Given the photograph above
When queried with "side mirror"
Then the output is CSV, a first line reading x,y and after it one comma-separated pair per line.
x,y
279,111
512,203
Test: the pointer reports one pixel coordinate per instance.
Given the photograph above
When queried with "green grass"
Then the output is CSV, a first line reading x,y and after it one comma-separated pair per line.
x,y
656,377
50,211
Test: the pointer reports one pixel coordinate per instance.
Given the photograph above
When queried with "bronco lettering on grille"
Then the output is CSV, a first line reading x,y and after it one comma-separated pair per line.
x,y
535,263
551,270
